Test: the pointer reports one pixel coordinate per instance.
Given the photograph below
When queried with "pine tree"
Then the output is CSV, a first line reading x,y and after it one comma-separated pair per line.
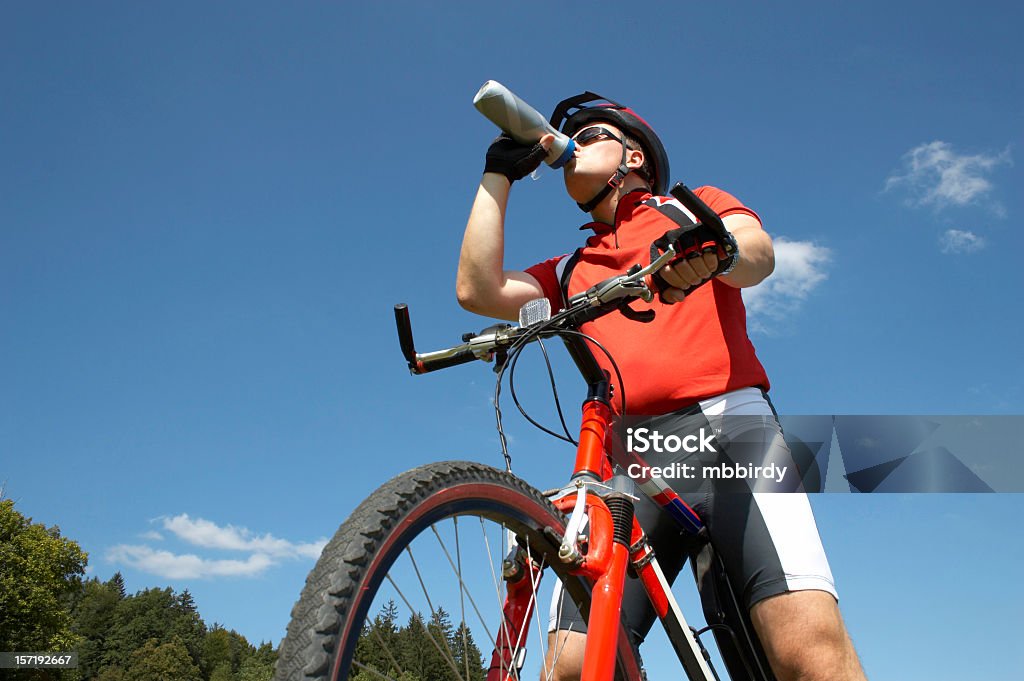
x,y
389,617
376,647
117,583
440,658
186,602
467,655
413,647
441,625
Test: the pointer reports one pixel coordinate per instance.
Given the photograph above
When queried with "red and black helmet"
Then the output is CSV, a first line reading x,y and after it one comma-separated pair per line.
x,y
573,114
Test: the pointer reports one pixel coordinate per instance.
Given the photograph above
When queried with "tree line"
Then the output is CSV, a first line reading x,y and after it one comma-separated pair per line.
x,y
46,605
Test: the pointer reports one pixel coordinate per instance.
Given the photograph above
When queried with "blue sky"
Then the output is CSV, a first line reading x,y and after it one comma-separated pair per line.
x,y
208,211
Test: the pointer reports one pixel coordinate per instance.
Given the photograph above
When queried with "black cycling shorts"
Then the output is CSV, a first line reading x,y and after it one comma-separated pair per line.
x,y
762,527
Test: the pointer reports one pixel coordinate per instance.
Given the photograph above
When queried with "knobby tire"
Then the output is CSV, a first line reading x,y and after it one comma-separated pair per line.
x,y
335,602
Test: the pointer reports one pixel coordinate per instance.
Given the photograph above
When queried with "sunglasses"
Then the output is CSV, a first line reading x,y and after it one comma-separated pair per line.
x,y
594,134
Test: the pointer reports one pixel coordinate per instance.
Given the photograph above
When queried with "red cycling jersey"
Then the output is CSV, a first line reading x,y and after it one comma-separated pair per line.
x,y
692,350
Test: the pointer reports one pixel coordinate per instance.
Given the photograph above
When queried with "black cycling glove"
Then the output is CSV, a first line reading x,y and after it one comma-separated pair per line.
x,y
512,159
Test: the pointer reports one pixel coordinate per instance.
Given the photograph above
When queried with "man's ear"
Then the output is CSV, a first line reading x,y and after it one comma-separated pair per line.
x,y
634,159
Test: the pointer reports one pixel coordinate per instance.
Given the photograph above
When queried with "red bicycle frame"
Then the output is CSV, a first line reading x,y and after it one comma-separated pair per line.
x,y
615,541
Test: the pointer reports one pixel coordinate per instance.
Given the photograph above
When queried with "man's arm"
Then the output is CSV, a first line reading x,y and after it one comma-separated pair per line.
x,y
483,285
757,257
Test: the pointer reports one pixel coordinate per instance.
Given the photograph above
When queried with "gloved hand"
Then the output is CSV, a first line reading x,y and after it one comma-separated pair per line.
x,y
702,257
512,159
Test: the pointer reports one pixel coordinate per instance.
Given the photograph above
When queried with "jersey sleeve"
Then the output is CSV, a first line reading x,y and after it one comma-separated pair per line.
x,y
546,273
723,203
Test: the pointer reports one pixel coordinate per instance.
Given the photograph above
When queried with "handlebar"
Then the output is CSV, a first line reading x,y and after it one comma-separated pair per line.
x,y
702,211
610,295
584,307
430,361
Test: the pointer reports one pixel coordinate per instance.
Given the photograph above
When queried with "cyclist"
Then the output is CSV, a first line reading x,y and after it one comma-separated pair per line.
x,y
693,360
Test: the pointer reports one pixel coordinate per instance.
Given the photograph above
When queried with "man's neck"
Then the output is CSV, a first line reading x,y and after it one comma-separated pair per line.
x,y
605,211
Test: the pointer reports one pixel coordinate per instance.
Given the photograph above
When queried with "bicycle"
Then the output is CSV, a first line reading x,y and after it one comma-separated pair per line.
x,y
584,534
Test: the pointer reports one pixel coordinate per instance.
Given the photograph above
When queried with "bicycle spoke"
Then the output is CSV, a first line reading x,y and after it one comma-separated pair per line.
x,y
558,653
462,597
450,657
560,590
371,670
497,589
447,659
537,607
387,651
464,588
416,569
521,634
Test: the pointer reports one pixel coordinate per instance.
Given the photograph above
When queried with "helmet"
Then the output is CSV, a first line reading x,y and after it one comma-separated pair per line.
x,y
621,117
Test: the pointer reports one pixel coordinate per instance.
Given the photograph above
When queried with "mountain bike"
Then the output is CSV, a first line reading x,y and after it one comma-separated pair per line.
x,y
466,540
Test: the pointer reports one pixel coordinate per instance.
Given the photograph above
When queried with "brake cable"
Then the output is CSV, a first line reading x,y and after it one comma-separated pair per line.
x,y
512,358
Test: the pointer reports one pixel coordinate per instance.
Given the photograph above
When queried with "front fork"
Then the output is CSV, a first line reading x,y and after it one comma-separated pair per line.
x,y
609,523
603,560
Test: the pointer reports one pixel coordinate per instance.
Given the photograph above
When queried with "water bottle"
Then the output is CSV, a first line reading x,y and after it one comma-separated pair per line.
x,y
521,121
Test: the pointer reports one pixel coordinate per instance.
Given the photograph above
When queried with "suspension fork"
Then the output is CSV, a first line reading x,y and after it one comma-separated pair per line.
x,y
611,522
610,526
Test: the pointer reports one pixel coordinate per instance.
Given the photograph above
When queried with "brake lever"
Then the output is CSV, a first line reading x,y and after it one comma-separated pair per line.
x,y
500,359
633,283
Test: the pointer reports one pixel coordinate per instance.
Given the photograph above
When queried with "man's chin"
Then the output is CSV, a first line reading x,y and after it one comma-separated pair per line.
x,y
582,189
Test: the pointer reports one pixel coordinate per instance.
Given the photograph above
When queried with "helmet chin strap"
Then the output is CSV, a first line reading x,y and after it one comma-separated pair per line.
x,y
613,182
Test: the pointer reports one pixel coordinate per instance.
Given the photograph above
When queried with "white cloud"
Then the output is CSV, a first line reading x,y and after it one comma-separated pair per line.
x,y
935,175
958,241
206,534
264,550
189,566
800,267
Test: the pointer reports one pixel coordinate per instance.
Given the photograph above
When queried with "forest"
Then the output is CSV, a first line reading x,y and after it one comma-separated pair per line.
x,y
48,605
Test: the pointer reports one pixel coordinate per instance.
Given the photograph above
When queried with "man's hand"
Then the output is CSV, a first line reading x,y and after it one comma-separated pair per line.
x,y
756,260
514,160
685,273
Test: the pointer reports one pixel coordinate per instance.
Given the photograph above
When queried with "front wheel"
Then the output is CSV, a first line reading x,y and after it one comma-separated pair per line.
x,y
411,587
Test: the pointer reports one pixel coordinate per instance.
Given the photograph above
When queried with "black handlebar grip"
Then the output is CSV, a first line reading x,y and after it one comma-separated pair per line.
x,y
700,210
409,348
405,334
460,357
708,235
